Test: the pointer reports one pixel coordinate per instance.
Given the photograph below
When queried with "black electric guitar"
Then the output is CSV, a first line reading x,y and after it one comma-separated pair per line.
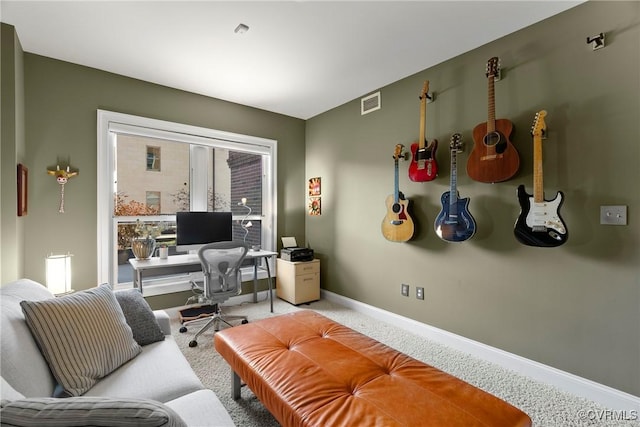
x,y
454,223
539,223
397,225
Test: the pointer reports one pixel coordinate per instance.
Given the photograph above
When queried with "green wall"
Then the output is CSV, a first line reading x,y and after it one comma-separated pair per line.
x,y
576,307
61,103
12,152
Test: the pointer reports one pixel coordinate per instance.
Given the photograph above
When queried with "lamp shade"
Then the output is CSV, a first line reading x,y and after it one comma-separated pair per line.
x,y
58,273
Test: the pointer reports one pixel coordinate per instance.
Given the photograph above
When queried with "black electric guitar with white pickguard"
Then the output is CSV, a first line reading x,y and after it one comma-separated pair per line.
x,y
539,223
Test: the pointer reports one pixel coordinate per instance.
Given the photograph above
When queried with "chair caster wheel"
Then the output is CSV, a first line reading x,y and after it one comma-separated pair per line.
x,y
183,329
193,343
244,321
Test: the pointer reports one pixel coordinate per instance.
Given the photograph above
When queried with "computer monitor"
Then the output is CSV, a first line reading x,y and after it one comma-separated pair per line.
x,y
196,229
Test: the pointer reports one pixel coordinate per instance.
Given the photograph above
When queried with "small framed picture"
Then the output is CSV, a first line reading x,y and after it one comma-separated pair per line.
x,y
314,186
315,207
23,173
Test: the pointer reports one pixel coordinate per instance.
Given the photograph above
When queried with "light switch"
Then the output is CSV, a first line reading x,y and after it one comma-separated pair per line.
x,y
613,215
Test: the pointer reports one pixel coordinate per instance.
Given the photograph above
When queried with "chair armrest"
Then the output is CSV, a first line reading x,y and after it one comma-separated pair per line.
x,y
163,320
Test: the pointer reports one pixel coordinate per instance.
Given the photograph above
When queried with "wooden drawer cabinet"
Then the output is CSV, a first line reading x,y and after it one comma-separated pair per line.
x,y
298,282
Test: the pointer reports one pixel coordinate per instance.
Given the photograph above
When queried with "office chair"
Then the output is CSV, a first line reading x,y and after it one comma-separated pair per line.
x,y
221,268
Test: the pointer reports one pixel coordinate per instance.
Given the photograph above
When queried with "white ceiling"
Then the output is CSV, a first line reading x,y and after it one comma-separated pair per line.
x,y
299,58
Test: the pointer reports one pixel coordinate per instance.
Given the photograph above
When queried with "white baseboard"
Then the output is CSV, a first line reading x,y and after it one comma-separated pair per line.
x,y
591,390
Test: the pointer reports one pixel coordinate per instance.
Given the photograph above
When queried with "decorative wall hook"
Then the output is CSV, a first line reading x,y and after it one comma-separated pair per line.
x,y
62,176
596,41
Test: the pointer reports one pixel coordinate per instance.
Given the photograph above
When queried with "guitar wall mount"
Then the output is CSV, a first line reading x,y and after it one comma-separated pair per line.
x,y
430,97
596,41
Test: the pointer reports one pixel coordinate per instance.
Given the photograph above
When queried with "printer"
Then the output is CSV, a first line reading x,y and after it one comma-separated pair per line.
x,y
291,252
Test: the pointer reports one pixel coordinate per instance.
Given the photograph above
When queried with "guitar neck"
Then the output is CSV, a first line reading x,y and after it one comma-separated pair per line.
x,y
453,183
396,186
423,125
491,119
538,184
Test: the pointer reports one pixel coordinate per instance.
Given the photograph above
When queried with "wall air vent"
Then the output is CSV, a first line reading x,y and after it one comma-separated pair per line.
x,y
370,103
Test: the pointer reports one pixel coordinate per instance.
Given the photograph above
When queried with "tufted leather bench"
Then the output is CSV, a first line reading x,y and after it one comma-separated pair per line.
x,y
308,370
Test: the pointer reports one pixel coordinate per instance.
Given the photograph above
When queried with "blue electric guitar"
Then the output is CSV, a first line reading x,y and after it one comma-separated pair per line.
x,y
454,223
539,223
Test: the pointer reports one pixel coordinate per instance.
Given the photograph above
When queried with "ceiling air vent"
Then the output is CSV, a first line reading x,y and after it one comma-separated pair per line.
x,y
370,103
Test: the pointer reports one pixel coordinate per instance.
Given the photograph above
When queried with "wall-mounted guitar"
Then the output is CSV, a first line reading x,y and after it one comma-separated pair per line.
x,y
397,225
454,223
539,223
493,158
423,166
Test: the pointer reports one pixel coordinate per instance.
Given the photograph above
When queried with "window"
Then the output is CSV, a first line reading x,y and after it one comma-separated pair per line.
x,y
153,159
153,200
203,169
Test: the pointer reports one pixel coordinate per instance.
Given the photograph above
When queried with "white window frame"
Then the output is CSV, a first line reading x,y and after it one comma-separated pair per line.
x,y
109,123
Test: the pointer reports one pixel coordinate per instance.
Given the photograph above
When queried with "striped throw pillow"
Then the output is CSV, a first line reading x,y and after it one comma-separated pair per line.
x,y
88,411
83,336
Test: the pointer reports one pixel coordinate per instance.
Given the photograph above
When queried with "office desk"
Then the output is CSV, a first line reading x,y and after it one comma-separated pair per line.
x,y
190,263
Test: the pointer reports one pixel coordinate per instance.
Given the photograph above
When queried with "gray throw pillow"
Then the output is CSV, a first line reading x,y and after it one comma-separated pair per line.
x,y
89,412
83,337
139,316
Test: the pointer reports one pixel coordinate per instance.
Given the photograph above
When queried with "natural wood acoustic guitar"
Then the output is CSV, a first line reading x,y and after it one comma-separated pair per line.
x,y
493,158
397,225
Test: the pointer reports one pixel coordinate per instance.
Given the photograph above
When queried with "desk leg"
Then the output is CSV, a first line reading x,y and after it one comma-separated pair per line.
x,y
255,279
269,279
138,276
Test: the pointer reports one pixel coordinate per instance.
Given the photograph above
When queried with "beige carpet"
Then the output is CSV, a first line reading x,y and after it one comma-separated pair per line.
x,y
546,405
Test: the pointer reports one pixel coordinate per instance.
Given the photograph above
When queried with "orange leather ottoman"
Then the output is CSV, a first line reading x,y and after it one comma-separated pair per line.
x,y
308,370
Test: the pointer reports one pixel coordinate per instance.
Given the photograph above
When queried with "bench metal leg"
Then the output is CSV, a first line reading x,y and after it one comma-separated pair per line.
x,y
235,385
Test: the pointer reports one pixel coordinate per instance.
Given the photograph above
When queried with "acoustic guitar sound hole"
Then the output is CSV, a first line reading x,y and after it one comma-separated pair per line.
x,y
496,140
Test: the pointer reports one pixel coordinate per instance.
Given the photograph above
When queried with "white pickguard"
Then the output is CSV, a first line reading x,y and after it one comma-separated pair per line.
x,y
544,215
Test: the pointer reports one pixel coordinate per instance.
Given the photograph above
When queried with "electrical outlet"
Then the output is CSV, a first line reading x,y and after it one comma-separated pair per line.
x,y
613,215
405,290
420,293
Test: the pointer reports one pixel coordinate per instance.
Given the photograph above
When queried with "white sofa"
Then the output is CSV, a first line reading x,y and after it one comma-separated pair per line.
x,y
159,372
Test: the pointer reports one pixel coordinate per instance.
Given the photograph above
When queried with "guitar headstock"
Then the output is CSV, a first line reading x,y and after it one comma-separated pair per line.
x,y
539,127
397,153
493,67
456,142
425,90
